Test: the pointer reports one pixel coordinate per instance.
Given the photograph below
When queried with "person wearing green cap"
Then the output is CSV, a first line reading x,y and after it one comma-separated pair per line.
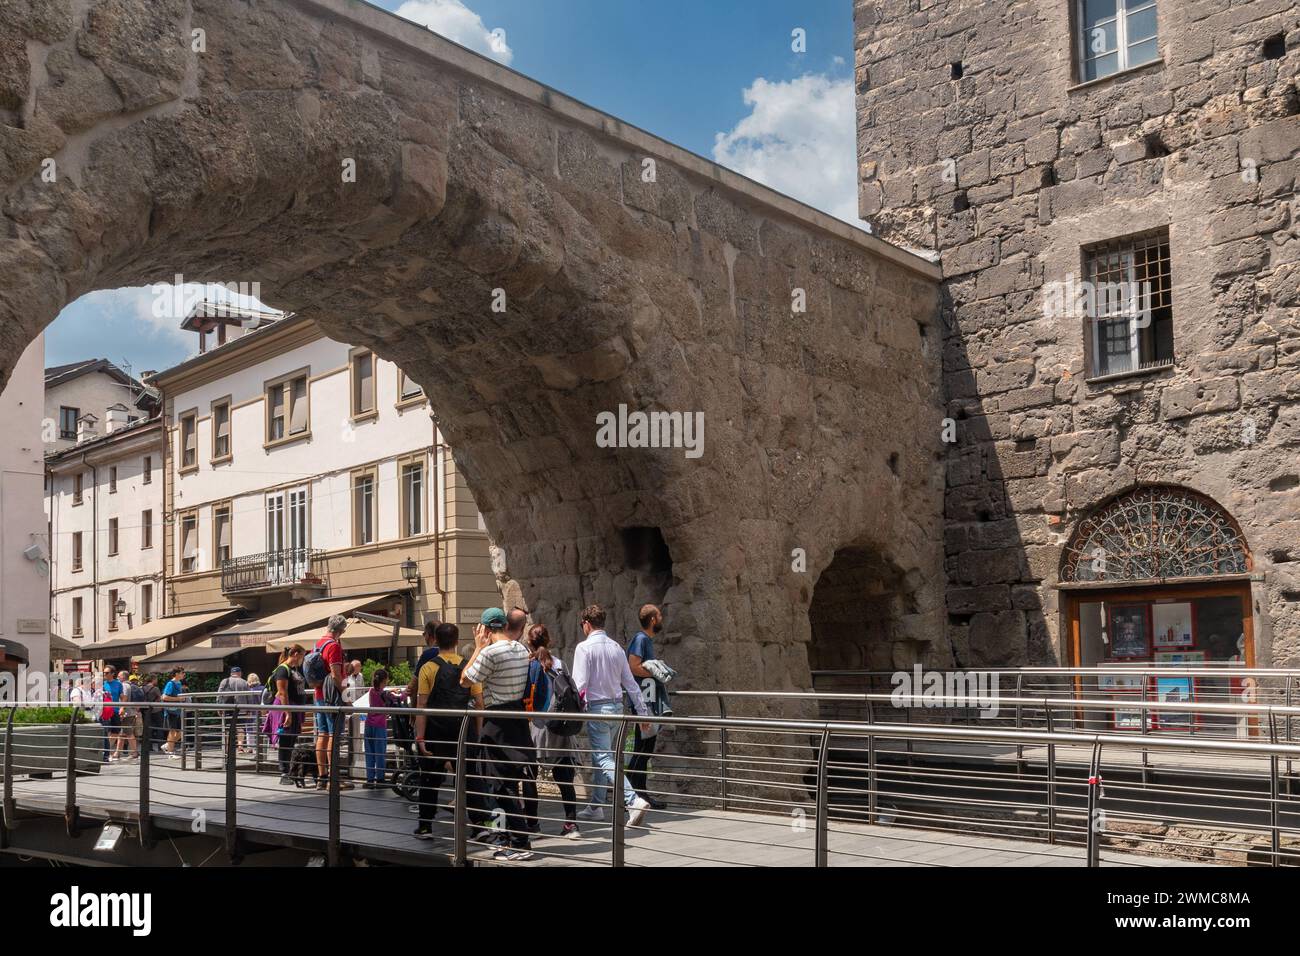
x,y
500,665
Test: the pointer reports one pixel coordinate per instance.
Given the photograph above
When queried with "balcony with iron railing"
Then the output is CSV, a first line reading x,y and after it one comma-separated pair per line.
x,y
273,571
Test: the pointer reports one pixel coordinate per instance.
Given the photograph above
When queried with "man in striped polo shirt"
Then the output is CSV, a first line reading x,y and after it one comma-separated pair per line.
x,y
500,665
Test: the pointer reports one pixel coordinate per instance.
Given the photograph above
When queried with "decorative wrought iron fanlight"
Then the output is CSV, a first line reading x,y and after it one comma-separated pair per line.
x,y
1155,533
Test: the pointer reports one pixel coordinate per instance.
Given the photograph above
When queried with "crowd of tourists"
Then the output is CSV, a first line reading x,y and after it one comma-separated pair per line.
x,y
511,669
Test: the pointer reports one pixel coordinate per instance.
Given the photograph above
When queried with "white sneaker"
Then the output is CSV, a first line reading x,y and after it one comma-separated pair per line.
x,y
636,811
596,814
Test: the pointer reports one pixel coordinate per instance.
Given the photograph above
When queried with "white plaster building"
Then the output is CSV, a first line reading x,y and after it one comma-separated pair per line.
x,y
299,468
24,544
105,505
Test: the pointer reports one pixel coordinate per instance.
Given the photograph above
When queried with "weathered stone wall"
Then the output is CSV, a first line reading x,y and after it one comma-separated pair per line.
x,y
225,165
1044,166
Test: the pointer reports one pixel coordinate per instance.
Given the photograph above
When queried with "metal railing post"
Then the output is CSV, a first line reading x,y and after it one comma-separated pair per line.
x,y
820,845
873,778
1146,731
460,855
1093,844
1289,720
7,800
1020,748
1274,794
333,847
723,784
259,750
1051,779
232,786
70,815
616,797
145,814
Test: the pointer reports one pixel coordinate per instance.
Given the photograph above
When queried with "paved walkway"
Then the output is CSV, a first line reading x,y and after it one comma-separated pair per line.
x,y
682,836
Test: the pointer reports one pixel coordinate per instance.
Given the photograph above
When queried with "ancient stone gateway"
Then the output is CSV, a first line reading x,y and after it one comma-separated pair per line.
x,y
129,156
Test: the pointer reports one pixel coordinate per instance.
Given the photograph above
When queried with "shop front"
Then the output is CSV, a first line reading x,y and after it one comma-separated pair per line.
x,y
1158,576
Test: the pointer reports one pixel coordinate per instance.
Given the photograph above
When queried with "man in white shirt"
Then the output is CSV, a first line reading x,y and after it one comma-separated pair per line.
x,y
601,675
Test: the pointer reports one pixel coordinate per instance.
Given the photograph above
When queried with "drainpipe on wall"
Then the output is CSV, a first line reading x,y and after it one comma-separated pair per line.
x,y
439,508
94,543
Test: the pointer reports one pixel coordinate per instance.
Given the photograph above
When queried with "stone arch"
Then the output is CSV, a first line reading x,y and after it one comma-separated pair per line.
x,y
128,157
856,612
1152,533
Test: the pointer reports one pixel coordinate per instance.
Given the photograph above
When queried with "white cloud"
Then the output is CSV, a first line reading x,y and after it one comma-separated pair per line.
x,y
458,23
800,139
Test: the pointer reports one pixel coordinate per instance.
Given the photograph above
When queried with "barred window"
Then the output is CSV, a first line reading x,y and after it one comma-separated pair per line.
x,y
1115,35
1131,308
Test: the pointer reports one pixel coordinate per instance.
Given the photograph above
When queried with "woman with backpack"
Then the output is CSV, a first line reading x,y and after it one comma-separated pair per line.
x,y
287,687
541,694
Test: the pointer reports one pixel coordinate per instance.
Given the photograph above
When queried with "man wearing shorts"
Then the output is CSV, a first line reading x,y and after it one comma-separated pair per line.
x,y
172,693
329,694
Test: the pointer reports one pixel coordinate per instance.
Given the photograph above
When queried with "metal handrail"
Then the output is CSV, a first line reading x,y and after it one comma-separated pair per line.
x,y
779,724
825,782
1141,667
976,702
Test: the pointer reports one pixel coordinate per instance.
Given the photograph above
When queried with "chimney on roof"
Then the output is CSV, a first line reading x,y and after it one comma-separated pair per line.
x,y
86,428
115,417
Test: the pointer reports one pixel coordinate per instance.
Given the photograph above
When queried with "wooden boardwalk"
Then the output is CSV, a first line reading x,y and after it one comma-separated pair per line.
x,y
378,822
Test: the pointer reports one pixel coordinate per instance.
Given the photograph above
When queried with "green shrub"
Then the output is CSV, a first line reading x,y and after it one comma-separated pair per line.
x,y
46,715
399,674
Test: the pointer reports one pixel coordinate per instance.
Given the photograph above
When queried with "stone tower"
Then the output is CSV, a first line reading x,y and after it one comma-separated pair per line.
x,y
1037,145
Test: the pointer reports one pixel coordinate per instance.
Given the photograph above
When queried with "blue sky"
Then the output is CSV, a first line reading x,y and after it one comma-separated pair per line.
x,y
718,77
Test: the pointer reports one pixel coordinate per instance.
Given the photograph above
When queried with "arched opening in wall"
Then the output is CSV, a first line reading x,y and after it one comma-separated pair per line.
x,y
856,606
210,456
1161,575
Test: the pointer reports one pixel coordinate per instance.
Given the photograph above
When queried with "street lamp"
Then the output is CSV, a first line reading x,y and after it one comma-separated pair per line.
x,y
120,607
411,571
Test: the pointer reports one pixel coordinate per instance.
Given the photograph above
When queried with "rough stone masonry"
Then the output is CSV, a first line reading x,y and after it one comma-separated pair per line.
x,y
1204,142
208,137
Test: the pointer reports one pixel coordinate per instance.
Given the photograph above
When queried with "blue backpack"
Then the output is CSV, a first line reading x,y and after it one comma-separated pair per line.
x,y
537,692
314,668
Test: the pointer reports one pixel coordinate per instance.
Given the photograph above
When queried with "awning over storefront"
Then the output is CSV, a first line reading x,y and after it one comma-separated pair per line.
x,y
360,635
13,651
302,617
135,642
62,649
200,657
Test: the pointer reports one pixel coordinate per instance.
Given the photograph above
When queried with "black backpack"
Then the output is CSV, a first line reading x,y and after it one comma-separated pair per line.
x,y
446,693
564,700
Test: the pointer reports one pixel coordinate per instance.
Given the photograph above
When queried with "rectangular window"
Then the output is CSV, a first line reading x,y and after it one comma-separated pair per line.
x,y
221,533
77,482
412,499
146,603
1115,35
146,470
76,617
221,431
189,555
287,408
363,508
189,441
146,529
112,479
363,383
112,536
407,390
68,423
1131,307
112,609
76,550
